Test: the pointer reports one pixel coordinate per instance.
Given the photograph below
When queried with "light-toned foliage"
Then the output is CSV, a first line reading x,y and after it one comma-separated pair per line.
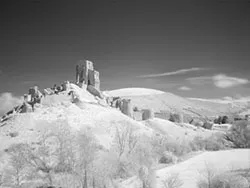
x,y
172,181
239,134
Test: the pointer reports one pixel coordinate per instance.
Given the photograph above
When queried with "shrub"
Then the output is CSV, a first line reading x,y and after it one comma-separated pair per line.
x,y
135,109
212,143
168,157
224,180
239,134
177,148
224,120
218,120
14,134
208,125
173,181
177,118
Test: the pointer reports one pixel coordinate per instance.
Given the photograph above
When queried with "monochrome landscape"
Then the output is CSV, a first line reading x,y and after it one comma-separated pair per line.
x,y
125,94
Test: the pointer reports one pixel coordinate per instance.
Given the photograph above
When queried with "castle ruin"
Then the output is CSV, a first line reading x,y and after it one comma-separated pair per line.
x,y
86,75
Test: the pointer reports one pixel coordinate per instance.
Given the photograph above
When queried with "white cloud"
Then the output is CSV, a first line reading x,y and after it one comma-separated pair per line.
x,y
181,71
224,81
184,88
8,101
219,80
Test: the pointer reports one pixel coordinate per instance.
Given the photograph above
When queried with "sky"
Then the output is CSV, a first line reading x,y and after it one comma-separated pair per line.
x,y
189,48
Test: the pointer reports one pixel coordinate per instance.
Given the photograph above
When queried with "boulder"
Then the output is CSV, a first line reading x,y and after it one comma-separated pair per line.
x,y
91,89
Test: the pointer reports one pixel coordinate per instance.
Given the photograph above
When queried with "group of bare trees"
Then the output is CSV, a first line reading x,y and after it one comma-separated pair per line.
x,y
58,151
61,153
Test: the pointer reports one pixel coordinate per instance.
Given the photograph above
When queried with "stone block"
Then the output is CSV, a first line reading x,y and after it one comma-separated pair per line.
x,y
147,114
126,107
91,77
27,98
26,108
137,115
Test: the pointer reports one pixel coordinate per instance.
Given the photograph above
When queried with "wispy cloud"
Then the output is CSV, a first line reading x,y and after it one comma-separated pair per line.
x,y
199,80
184,88
8,101
1,72
181,71
219,80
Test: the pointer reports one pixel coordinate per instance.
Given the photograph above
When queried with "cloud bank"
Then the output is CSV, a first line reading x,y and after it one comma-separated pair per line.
x,y
181,71
220,80
8,101
224,81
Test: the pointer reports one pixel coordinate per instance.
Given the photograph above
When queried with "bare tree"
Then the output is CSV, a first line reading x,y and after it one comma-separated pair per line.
x,y
208,176
125,139
19,170
87,147
172,181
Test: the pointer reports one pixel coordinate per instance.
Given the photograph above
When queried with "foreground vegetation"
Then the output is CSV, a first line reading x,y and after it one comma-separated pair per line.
x,y
63,158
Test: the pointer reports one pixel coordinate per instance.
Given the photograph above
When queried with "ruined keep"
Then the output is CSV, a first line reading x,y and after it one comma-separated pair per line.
x,y
86,75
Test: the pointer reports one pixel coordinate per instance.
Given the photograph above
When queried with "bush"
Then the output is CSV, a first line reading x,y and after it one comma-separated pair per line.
x,y
168,157
218,120
224,180
173,181
207,125
177,148
239,134
177,118
225,120
14,134
212,143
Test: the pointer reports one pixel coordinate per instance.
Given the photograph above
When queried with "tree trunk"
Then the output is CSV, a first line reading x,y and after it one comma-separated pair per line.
x,y
85,180
49,178
93,182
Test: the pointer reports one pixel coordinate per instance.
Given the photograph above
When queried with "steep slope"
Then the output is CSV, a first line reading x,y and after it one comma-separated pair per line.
x,y
102,121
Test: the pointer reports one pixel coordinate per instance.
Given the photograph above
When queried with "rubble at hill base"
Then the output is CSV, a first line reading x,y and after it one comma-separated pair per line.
x,y
88,80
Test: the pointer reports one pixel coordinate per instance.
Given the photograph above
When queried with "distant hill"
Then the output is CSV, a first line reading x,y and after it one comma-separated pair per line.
x,y
165,101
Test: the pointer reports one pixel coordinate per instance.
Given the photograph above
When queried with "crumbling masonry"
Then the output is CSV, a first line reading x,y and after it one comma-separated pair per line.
x,y
86,75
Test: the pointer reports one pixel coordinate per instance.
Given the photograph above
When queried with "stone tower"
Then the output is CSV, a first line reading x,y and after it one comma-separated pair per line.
x,y
86,75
